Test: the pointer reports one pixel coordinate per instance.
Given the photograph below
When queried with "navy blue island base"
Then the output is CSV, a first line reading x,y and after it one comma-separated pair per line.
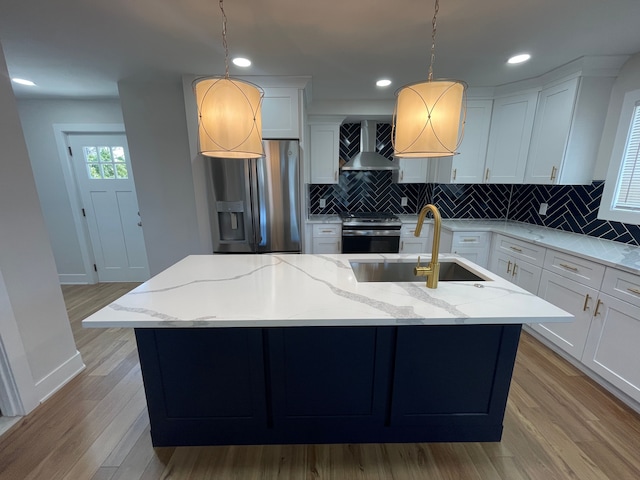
x,y
239,386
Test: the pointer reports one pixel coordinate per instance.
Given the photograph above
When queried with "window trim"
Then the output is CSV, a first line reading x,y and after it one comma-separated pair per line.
x,y
606,210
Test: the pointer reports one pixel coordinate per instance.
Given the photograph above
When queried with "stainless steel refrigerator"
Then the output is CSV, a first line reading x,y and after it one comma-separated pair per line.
x,y
254,204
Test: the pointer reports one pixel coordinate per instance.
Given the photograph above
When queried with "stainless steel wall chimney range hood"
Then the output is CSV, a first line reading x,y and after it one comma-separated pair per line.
x,y
368,158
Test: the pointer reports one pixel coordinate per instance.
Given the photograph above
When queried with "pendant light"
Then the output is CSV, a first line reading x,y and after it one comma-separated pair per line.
x,y
428,115
229,112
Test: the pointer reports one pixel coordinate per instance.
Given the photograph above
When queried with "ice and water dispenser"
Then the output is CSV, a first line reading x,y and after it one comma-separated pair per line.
x,y
231,221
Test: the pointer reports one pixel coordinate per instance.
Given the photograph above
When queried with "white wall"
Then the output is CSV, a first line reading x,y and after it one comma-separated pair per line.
x,y
154,118
628,79
26,262
38,118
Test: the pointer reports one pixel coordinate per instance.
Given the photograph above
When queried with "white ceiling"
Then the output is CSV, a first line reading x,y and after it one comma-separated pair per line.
x,y
81,48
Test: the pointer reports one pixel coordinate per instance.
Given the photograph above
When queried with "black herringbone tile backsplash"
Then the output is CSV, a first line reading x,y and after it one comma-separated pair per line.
x,y
366,192
472,201
572,208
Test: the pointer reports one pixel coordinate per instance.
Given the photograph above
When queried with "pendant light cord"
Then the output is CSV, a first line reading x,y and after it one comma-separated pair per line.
x,y
433,40
226,46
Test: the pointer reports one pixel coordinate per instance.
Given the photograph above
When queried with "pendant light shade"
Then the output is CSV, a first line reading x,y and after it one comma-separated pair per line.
x,y
428,115
427,119
229,118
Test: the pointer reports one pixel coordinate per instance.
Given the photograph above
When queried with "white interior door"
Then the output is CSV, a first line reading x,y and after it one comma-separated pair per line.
x,y
105,181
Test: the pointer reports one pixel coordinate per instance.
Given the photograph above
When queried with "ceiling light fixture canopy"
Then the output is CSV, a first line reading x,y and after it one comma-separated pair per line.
x,y
229,112
428,120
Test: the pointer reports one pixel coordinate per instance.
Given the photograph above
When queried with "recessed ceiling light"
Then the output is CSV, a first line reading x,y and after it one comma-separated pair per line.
x,y
523,57
241,62
383,83
23,81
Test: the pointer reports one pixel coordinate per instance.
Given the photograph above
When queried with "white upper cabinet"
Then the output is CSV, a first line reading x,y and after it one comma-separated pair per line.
x,y
411,170
469,165
324,149
281,113
509,137
567,130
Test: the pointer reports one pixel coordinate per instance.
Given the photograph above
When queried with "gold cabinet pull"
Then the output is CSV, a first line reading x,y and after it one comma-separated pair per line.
x,y
468,239
509,266
569,267
486,175
634,290
455,171
516,249
586,301
597,308
553,173
515,268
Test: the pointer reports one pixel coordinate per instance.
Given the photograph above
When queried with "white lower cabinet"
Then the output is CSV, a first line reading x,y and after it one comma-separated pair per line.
x,y
473,246
517,261
612,345
524,274
409,243
577,299
605,334
327,238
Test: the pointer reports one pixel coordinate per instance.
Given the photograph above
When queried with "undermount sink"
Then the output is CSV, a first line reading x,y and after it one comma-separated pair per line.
x,y
402,271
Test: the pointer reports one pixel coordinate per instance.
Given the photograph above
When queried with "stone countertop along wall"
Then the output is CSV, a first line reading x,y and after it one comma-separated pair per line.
x,y
614,254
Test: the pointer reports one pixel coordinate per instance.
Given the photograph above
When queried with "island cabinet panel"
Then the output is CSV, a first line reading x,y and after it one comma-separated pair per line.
x,y
203,386
231,386
439,381
329,384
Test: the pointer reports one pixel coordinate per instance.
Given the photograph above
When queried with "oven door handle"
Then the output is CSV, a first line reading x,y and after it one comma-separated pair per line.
x,y
370,233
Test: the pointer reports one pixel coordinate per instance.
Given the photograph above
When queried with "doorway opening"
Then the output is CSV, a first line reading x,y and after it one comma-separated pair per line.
x,y
101,189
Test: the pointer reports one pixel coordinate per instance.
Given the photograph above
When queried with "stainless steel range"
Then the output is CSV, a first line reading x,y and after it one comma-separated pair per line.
x,y
370,232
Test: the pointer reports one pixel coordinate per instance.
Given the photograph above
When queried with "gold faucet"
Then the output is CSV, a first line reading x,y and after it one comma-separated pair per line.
x,y
431,271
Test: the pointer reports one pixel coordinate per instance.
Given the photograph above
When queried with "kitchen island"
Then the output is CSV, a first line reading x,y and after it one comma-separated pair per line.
x,y
260,349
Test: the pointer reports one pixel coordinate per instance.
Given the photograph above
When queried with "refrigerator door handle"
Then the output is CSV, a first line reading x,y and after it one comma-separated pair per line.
x,y
254,194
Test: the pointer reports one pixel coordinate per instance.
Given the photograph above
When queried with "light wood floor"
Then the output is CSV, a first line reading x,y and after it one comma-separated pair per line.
x,y
559,425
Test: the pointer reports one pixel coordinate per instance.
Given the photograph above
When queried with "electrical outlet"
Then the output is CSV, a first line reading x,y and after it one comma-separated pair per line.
x,y
404,201
543,208
323,202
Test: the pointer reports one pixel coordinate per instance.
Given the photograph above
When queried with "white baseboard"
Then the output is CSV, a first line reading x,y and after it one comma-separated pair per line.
x,y
623,397
73,278
59,377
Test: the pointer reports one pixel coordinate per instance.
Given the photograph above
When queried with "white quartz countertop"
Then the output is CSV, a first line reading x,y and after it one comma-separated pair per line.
x,y
324,219
614,254
277,290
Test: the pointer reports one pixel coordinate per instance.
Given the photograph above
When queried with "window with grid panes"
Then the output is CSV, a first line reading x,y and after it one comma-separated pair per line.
x,y
621,196
628,187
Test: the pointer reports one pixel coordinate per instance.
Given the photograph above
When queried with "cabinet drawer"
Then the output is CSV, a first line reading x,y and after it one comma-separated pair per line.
x,y
327,230
409,229
470,239
622,285
579,269
529,252
326,245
